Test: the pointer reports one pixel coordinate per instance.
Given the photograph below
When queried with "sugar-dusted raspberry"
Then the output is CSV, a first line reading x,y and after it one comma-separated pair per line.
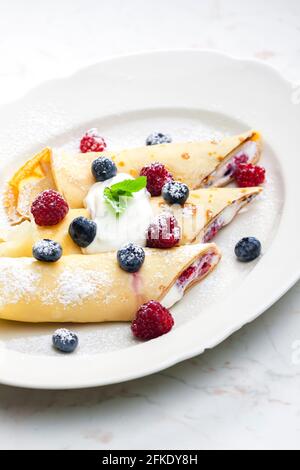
x,y
92,142
152,320
248,175
157,176
49,208
163,232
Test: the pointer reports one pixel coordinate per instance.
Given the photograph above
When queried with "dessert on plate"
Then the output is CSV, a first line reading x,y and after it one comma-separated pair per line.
x,y
197,164
200,218
101,236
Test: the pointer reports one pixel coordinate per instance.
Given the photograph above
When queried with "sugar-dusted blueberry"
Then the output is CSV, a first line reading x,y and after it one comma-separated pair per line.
x,y
131,257
103,168
83,231
175,192
158,138
248,249
65,340
47,250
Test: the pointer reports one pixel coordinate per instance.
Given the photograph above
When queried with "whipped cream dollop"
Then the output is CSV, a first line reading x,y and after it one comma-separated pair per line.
x,y
115,231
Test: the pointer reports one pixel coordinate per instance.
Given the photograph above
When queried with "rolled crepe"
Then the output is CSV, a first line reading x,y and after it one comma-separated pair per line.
x,y
206,211
198,164
194,163
202,216
20,239
32,178
94,288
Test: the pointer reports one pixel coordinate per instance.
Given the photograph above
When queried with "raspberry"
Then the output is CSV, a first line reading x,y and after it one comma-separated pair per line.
x,y
152,320
163,232
92,142
248,175
157,176
49,208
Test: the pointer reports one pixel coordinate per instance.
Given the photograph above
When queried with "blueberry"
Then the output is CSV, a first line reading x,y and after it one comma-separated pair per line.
x,y
131,257
82,231
103,168
65,340
248,249
158,138
175,192
47,250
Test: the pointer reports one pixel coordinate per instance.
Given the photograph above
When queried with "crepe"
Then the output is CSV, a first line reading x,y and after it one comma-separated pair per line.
x,y
198,164
19,241
32,178
202,216
206,211
191,162
94,288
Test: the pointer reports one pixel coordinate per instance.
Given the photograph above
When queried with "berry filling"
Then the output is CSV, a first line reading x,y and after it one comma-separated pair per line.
x,y
232,166
226,170
194,273
225,217
213,229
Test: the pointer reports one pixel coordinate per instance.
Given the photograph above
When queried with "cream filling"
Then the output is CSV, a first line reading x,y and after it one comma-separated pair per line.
x,y
197,270
224,173
115,231
226,216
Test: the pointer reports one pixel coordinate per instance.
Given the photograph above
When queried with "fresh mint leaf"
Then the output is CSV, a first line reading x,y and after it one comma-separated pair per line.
x,y
116,194
118,205
130,186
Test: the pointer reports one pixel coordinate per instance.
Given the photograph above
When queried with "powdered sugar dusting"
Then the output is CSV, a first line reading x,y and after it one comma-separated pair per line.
x,y
64,334
76,285
17,283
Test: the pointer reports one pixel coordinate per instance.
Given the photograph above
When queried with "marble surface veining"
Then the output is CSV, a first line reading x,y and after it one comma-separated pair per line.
x,y
244,393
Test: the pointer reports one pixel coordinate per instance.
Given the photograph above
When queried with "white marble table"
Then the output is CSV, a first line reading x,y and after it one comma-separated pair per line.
x,y
246,392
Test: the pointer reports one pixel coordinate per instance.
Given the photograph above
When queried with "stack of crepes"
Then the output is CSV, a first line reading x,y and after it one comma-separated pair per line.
x,y
92,288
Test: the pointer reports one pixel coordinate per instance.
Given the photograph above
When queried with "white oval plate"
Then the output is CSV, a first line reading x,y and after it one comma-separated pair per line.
x,y
191,94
